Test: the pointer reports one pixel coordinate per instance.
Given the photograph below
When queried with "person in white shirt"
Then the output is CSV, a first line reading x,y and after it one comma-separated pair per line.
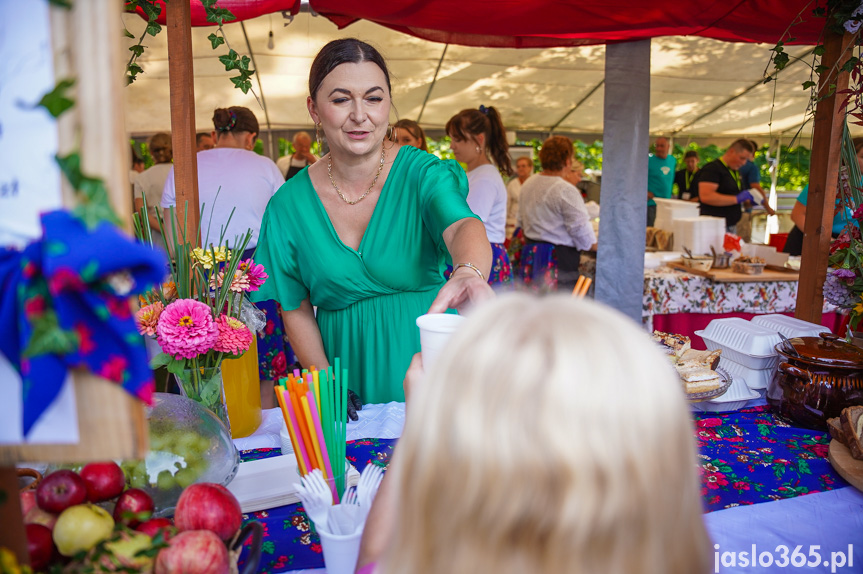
x,y
234,182
523,170
291,165
479,141
554,220
151,182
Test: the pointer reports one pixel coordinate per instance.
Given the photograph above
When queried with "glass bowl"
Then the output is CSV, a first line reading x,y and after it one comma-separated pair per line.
x,y
188,444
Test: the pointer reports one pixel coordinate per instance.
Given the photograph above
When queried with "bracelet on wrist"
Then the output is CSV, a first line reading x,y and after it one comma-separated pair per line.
x,y
457,266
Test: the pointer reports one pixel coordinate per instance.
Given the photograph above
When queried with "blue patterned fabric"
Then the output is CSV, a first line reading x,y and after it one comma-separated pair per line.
x,y
746,457
66,303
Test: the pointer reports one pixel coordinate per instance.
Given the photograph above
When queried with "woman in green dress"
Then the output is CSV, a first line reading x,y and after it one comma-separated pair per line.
x,y
363,235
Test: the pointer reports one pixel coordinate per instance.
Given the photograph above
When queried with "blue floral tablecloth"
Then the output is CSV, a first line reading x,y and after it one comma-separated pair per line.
x,y
746,457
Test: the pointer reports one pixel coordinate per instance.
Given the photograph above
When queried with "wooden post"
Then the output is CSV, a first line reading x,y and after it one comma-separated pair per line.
x,y
12,534
823,179
181,78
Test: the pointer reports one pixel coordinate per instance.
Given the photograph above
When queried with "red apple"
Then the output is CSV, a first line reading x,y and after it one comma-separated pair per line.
x,y
60,490
104,480
40,546
193,552
155,525
28,501
38,516
207,506
133,507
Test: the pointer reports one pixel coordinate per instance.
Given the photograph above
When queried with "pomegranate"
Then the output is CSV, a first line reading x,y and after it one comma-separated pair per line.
x,y
194,552
207,506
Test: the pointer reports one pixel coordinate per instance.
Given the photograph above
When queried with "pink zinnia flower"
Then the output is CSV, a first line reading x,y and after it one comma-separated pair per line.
x,y
234,336
186,329
148,318
254,272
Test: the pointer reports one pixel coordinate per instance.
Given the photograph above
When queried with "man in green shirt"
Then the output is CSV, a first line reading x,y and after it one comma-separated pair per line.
x,y
660,176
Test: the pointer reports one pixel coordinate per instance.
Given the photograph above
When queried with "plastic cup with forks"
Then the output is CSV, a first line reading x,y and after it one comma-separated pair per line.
x,y
340,550
337,483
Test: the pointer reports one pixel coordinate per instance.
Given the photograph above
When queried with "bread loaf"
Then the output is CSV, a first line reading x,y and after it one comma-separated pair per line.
x,y
834,425
852,427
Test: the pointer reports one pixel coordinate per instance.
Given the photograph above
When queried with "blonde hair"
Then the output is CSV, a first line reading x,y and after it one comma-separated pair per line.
x,y
551,436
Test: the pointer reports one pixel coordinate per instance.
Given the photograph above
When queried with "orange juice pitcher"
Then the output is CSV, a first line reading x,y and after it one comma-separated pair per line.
x,y
243,392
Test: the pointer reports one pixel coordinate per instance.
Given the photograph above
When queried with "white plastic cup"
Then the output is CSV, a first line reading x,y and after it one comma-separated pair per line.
x,y
435,331
340,551
285,438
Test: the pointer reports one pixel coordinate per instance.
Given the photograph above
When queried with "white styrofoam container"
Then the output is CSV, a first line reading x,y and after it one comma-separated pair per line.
x,y
667,210
699,233
755,379
735,398
789,326
749,344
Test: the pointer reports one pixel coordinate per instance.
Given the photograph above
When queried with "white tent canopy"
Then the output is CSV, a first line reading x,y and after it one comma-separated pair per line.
x,y
700,88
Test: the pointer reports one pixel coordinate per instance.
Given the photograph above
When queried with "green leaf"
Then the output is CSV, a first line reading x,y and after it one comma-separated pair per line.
x,y
819,50
242,83
161,360
244,62
56,101
176,366
137,50
808,84
850,64
127,34
268,547
216,41
61,3
211,392
780,60
803,467
820,69
153,28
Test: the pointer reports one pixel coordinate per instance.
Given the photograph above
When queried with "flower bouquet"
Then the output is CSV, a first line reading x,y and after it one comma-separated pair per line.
x,y
201,316
843,286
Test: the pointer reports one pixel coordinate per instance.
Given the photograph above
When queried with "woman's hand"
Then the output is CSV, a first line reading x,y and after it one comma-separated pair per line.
x,y
413,376
464,287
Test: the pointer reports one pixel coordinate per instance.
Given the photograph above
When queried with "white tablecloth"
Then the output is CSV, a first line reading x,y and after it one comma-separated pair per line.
x,y
831,520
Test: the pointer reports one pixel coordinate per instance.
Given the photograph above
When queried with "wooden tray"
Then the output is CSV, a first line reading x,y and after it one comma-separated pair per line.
x,y
845,465
729,276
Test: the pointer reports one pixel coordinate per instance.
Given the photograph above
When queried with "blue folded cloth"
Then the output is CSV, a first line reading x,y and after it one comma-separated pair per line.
x,y
66,302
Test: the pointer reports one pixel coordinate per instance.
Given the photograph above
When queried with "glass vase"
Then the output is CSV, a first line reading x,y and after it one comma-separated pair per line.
x,y
204,386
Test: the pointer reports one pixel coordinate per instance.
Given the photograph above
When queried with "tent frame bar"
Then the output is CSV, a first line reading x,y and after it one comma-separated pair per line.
x,y
433,82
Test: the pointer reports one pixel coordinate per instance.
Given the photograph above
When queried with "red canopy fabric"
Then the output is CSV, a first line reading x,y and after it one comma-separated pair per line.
x,y
547,23
242,9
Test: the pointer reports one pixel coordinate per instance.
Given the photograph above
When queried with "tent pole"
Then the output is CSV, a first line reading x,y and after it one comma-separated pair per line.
x,y
263,101
623,195
577,105
823,179
434,81
181,77
736,96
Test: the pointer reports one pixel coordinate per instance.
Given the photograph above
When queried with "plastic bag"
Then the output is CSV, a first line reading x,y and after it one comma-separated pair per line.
x,y
254,318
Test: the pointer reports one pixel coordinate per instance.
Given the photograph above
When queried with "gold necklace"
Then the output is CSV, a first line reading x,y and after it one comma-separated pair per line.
x,y
374,181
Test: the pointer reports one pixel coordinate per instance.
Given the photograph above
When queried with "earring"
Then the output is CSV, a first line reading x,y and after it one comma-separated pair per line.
x,y
391,132
477,149
318,137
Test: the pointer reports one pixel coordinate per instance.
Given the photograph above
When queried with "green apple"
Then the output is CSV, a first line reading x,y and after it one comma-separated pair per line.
x,y
81,527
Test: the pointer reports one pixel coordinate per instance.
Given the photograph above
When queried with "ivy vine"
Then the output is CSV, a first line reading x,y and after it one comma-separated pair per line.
x,y
232,61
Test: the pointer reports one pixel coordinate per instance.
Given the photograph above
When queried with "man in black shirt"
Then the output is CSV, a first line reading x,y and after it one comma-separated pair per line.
x,y
719,189
685,179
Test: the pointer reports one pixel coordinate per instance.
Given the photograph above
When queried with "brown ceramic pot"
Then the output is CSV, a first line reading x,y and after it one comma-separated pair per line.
x,y
815,381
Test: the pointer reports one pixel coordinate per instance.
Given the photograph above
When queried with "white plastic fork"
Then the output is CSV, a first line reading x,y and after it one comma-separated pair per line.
x,y
316,497
367,487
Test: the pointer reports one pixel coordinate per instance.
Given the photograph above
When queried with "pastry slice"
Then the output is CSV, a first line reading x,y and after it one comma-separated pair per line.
x,y
699,379
672,344
693,358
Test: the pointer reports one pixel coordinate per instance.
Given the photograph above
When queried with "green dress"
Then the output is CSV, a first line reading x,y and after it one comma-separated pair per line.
x,y
367,299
